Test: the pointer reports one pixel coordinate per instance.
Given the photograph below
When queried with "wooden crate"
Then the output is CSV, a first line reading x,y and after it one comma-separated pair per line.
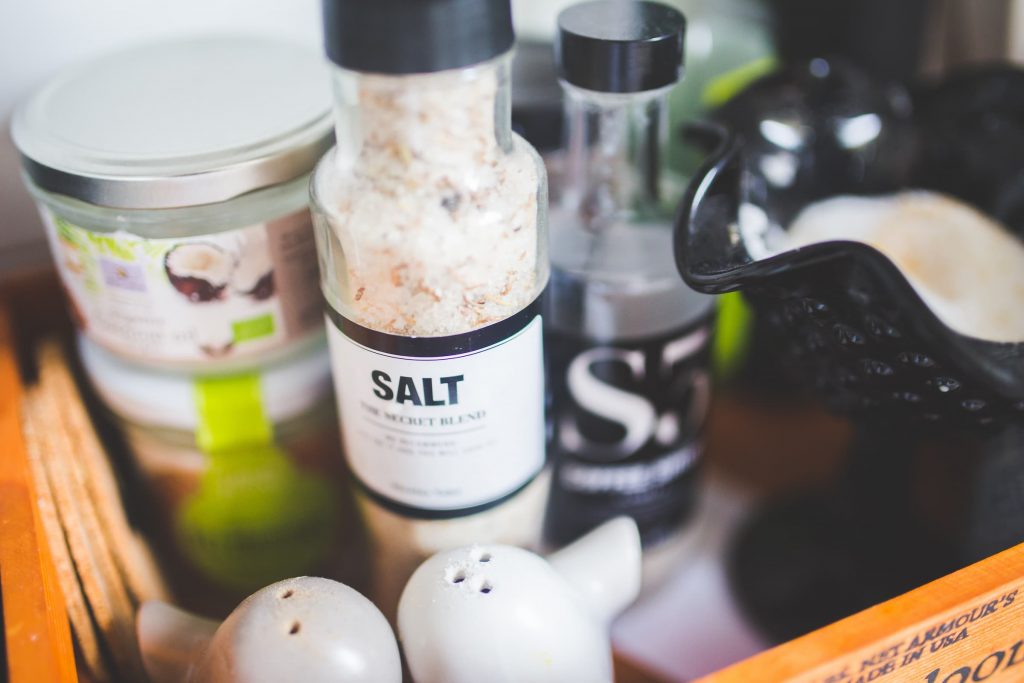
x,y
967,626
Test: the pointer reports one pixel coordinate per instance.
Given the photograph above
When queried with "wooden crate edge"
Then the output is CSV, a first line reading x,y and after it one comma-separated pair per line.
x,y
962,621
36,628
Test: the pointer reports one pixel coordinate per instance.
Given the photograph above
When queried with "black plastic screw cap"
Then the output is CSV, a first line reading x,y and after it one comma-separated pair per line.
x,y
620,45
415,36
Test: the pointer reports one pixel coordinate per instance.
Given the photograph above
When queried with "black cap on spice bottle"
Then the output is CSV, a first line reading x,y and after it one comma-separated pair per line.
x,y
415,36
620,46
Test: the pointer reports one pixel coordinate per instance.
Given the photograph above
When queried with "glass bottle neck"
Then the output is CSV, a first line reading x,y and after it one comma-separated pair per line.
x,y
615,152
454,118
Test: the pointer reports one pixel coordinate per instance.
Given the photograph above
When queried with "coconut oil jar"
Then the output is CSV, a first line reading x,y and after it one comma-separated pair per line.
x,y
171,180
242,471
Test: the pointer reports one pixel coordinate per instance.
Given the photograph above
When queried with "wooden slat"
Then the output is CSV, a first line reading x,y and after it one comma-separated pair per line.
x,y
38,637
99,547
967,626
37,434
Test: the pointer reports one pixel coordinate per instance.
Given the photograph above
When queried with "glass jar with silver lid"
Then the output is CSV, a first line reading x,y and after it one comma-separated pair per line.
x,y
171,180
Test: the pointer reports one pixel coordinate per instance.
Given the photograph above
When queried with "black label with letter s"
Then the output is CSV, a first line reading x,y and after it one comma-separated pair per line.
x,y
625,430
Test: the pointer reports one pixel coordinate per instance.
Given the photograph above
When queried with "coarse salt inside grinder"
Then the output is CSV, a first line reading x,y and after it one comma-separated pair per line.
x,y
430,216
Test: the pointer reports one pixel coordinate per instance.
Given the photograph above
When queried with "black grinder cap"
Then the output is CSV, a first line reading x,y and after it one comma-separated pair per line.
x,y
620,46
415,36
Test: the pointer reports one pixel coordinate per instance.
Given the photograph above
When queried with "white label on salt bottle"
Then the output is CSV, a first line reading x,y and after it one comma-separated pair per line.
x,y
442,424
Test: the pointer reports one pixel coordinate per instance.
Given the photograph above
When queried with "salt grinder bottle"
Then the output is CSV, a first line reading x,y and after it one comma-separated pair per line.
x,y
430,219
628,341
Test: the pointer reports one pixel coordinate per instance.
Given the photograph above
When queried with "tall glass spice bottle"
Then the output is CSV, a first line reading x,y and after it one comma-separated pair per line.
x,y
627,339
431,219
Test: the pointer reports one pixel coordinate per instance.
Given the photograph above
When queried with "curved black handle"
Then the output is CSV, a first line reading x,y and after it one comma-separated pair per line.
x,y
705,238
712,258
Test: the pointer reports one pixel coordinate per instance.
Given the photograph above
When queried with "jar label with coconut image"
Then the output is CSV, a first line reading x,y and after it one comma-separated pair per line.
x,y
227,295
441,426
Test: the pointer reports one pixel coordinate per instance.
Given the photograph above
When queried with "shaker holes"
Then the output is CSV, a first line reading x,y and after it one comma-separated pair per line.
x,y
481,585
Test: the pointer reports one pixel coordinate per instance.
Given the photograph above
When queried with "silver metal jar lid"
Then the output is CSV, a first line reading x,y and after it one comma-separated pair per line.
x,y
178,124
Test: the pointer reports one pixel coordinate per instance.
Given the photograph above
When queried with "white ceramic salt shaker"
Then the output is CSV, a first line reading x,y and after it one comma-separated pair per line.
x,y
498,613
305,629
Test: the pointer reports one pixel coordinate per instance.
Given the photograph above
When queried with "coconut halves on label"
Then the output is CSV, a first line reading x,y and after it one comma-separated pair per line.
x,y
203,272
199,271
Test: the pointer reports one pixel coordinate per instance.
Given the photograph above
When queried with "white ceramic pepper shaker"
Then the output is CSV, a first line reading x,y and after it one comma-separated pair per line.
x,y
430,218
502,614
305,629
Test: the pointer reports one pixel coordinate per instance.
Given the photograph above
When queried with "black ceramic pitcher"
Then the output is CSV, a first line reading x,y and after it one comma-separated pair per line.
x,y
851,325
